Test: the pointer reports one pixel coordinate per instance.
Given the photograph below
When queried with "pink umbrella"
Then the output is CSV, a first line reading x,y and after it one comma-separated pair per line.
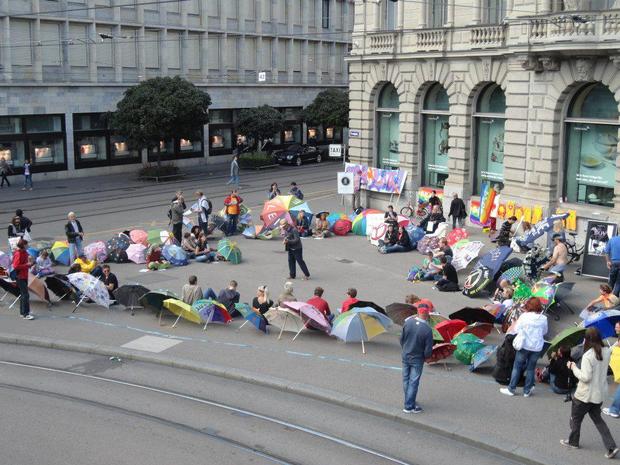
x,y
312,315
139,236
136,253
456,235
96,251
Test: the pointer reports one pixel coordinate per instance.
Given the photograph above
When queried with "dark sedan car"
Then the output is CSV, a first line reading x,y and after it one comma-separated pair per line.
x,y
297,154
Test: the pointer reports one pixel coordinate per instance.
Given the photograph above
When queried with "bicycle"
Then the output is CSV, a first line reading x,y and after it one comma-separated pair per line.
x,y
415,210
575,251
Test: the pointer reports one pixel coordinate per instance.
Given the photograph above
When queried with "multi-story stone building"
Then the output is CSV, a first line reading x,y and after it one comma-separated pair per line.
x,y
522,93
64,63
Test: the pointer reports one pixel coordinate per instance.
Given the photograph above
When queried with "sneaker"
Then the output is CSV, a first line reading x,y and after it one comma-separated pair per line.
x,y
406,410
306,278
529,393
608,412
611,453
507,392
565,442
28,317
417,409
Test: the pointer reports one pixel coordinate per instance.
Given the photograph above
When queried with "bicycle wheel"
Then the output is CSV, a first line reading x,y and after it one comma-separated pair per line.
x,y
407,211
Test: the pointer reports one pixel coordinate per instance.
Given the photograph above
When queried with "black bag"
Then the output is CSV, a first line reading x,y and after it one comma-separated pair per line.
x,y
210,209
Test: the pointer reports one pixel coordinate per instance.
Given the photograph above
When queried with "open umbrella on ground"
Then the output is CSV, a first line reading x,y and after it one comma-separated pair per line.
x,y
398,312
137,253
282,207
154,236
118,256
311,315
512,274
540,228
154,300
60,253
441,352
614,363
415,234
473,315
465,252
359,223
211,311
42,243
285,319
250,316
118,242
91,288
175,255
466,346
34,253
96,251
360,325
61,287
9,287
182,310
37,287
129,295
5,260
229,250
497,311
456,235
139,236
545,293
342,227
571,337
477,281
252,231
480,330
332,218
604,321
450,328
483,355
427,244
367,304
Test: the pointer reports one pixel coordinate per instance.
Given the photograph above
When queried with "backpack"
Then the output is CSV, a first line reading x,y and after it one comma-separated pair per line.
x,y
210,209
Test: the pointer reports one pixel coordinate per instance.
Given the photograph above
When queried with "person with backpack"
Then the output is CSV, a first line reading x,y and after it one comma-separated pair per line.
x,y
204,210
5,170
175,214
296,191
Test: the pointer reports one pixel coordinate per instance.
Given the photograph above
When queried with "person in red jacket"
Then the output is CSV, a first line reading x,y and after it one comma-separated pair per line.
x,y
232,205
319,303
350,300
21,265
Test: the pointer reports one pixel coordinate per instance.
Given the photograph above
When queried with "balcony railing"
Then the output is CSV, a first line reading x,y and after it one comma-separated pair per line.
x,y
430,40
488,36
382,43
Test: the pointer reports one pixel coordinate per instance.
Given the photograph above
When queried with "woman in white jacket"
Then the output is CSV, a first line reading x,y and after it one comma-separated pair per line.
x,y
531,328
591,391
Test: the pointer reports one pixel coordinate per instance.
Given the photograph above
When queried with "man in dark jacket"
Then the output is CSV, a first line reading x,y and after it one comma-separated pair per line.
x,y
416,341
292,244
229,297
431,222
24,221
176,217
75,235
458,211
503,236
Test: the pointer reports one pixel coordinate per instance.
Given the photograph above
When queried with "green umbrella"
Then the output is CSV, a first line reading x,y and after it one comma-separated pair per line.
x,y
570,337
229,250
153,236
154,300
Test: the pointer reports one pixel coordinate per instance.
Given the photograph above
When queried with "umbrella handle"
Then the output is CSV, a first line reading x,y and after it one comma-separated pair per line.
x,y
283,326
177,320
245,323
209,318
363,348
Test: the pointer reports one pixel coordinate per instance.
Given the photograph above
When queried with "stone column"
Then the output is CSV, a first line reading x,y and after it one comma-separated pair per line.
x,y
545,6
116,53
376,14
37,64
5,57
304,62
450,14
70,148
400,15
477,13
204,56
274,59
184,53
422,20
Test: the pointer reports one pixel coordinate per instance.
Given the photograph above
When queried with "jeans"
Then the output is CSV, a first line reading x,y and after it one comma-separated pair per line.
x,y
459,221
412,372
296,256
614,277
75,249
578,412
395,248
204,225
615,405
234,180
554,388
210,294
27,181
24,297
177,231
525,360
232,224
5,179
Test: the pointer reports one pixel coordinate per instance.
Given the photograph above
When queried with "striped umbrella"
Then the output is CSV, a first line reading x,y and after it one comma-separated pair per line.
x,y
211,311
360,325
60,252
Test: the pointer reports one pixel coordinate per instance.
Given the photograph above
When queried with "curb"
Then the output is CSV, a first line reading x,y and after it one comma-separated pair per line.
x,y
507,450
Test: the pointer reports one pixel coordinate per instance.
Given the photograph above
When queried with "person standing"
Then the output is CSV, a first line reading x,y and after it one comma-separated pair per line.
x,y
591,391
232,205
5,170
27,175
234,172
614,409
176,217
292,244
21,265
612,254
416,341
204,210
503,236
531,328
494,210
75,235
458,211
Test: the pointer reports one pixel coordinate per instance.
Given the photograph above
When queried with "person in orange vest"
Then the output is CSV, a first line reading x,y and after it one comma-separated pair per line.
x,y
232,205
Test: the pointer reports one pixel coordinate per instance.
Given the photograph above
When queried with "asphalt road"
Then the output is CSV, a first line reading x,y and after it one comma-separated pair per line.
x,y
65,408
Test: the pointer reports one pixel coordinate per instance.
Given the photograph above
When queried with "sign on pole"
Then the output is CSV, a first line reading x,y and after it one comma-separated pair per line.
x,y
345,183
335,150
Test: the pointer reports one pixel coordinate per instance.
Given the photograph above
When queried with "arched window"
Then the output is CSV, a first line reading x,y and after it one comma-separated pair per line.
x,y
388,131
591,126
435,114
490,118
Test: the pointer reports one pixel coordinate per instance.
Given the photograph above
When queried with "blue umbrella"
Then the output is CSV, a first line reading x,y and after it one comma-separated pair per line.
x,y
34,253
493,260
604,321
415,234
481,356
258,321
175,255
540,228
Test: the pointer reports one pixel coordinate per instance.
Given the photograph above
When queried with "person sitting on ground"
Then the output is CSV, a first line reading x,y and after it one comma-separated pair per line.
x,y
350,300
262,303
390,215
155,260
43,265
110,281
15,228
412,299
75,268
191,291
503,236
402,244
287,294
431,222
229,297
500,293
88,266
296,191
205,253
319,303
431,268
302,224
190,246
390,237
273,191
195,231
561,378
444,250
604,301
449,281
321,228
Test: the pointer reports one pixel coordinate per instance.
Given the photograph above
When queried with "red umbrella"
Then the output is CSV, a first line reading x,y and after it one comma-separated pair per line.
x,y
342,227
480,330
456,235
441,352
450,328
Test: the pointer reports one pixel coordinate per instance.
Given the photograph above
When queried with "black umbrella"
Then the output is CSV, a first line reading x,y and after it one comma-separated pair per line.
x,y
10,287
364,303
129,295
477,281
398,312
472,315
61,287
117,256
120,242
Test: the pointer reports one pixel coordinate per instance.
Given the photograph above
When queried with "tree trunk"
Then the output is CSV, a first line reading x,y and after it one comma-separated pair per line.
x,y
158,151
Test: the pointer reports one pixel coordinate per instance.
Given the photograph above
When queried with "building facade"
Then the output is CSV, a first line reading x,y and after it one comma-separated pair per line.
x,y
65,63
524,94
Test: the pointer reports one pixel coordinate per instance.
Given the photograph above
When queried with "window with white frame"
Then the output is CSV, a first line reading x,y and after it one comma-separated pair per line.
x,y
494,11
437,13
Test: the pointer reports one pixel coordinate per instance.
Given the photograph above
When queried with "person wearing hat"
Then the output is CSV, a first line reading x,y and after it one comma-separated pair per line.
x,y
559,258
416,341
292,244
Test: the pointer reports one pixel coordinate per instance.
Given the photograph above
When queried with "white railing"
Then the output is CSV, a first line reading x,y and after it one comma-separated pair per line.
x,y
382,43
488,36
431,40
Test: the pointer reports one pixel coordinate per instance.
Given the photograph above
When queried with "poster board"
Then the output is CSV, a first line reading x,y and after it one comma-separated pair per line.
x,y
598,234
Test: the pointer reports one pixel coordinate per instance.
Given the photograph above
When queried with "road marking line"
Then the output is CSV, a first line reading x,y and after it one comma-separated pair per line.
x,y
151,344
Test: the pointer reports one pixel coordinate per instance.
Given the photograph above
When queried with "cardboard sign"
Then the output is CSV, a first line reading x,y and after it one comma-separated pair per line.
x,y
598,234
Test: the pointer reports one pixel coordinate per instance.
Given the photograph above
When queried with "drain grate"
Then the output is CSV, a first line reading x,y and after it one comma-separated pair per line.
x,y
344,260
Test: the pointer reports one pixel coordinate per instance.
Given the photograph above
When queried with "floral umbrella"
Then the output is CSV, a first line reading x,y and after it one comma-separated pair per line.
x,y
427,244
96,251
137,253
139,236
91,288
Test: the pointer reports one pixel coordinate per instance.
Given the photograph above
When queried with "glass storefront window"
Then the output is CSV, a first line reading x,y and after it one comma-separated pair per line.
x,y
10,125
220,116
89,121
435,126
190,145
220,138
38,124
329,133
47,151
490,122
388,128
292,134
120,149
591,147
92,148
13,152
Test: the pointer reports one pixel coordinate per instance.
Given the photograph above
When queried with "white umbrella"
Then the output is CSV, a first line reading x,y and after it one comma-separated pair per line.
x,y
285,319
91,288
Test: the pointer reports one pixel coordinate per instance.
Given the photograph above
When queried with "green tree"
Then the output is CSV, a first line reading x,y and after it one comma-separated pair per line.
x,y
330,108
260,123
160,109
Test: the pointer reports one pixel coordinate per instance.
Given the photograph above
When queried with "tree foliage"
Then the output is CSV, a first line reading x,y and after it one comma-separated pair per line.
x,y
330,108
260,123
160,109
